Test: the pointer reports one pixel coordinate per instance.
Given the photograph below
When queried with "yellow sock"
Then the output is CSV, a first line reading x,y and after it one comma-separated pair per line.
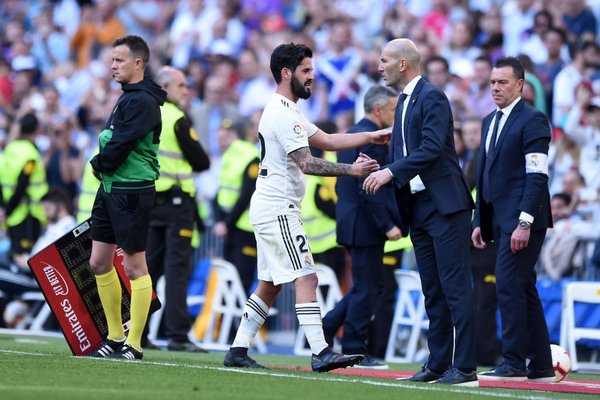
x,y
141,295
109,290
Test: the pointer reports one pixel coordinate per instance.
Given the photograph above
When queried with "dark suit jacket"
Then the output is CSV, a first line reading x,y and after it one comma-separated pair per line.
x,y
526,130
363,220
428,129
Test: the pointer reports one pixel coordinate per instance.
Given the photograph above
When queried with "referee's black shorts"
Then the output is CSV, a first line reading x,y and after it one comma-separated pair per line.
x,y
122,218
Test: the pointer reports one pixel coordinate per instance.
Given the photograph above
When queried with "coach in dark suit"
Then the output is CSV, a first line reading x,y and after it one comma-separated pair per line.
x,y
433,188
364,223
513,209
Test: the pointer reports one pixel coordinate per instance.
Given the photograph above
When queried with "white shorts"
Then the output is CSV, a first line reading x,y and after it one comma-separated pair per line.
x,y
283,254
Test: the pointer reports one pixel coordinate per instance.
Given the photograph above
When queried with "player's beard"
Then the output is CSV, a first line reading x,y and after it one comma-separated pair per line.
x,y
298,89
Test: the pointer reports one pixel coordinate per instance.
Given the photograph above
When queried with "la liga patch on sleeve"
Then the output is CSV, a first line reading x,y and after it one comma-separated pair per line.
x,y
297,129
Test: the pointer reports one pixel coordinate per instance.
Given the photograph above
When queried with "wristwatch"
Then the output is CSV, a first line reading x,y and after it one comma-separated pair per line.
x,y
524,224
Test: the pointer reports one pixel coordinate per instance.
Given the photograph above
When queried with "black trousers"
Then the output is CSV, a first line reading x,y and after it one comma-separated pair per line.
x,y
240,250
334,258
441,245
169,253
488,351
355,311
379,329
524,330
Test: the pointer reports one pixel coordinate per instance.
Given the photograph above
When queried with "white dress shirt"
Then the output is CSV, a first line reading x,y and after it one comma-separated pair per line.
x,y
505,113
416,183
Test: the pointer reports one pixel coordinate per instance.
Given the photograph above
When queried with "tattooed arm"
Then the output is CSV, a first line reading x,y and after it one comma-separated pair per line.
x,y
344,141
317,166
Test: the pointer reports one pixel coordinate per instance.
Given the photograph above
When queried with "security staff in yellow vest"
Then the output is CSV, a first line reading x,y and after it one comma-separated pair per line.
x,y
237,180
318,214
169,248
23,181
89,188
318,219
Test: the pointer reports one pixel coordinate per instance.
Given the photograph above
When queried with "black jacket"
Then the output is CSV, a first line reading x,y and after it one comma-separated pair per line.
x,y
136,113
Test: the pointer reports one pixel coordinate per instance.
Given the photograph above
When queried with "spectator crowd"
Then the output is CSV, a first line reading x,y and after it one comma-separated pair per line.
x,y
56,54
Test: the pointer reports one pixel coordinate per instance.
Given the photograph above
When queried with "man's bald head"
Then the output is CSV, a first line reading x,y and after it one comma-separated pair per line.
x,y
400,63
172,81
166,74
405,48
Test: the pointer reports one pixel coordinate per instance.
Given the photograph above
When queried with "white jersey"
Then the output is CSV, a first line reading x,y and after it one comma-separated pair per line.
x,y
280,185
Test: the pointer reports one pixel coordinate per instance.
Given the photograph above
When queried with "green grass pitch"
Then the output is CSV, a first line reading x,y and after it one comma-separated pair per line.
x,y
43,368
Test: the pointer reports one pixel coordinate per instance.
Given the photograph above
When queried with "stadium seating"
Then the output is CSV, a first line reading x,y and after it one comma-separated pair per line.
x,y
223,308
576,325
409,320
38,313
156,317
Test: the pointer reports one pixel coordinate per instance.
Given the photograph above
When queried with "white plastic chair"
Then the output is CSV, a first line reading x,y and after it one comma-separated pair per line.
x,y
327,279
156,317
570,332
409,313
227,307
38,313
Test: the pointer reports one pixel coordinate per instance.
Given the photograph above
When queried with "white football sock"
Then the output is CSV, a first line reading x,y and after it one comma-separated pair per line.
x,y
309,317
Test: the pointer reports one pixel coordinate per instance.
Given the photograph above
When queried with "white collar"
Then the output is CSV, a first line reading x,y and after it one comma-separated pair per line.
x,y
409,89
507,110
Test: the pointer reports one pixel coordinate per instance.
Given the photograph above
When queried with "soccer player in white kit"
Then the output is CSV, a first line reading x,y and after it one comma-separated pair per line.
x,y
283,251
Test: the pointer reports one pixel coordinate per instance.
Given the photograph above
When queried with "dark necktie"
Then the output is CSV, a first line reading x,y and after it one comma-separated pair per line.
x,y
397,150
488,159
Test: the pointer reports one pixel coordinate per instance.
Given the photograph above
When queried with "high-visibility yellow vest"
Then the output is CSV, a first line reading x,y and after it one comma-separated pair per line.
x,y
401,244
89,188
330,181
16,158
319,227
234,162
474,195
174,168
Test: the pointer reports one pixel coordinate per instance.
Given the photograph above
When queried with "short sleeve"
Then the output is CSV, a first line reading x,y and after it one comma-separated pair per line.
x,y
293,131
310,127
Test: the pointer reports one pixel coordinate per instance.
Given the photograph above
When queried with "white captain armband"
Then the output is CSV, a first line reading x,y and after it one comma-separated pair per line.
x,y
536,163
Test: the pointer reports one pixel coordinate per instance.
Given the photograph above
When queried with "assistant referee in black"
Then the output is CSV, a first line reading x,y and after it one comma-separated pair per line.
x,y
127,165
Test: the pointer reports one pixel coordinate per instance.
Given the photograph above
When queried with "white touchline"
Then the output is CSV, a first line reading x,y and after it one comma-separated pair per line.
x,y
315,377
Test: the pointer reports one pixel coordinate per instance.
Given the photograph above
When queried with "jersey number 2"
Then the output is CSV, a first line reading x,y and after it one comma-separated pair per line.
x,y
302,243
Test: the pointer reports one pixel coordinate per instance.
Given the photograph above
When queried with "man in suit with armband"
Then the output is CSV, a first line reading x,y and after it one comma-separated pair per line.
x,y
513,209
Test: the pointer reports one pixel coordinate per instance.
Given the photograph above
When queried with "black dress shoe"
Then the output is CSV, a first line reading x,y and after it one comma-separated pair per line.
x,y
454,376
370,362
544,376
185,346
424,375
504,372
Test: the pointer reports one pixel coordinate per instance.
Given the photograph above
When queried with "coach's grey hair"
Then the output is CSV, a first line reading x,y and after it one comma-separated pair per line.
x,y
377,95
